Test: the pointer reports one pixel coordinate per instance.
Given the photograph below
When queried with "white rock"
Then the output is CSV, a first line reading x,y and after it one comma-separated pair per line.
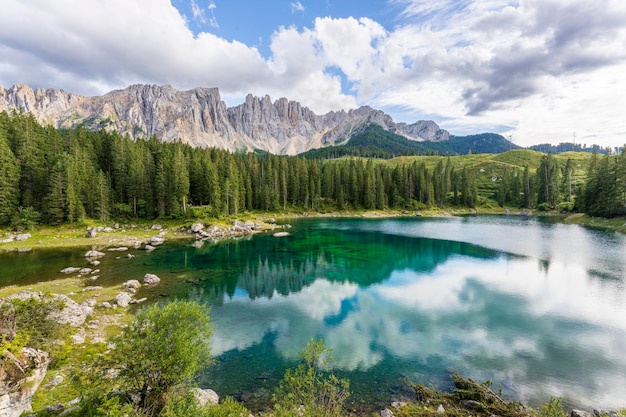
x,y
149,248
131,283
122,299
120,249
440,409
95,263
78,339
70,270
205,396
22,237
156,227
156,240
151,279
196,227
85,271
94,254
386,413
281,234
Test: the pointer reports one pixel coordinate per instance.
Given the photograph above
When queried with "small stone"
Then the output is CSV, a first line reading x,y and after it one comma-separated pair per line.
x,y
120,249
205,396
106,304
70,270
131,283
122,299
92,288
440,409
22,237
95,263
78,339
386,413
84,271
149,248
156,240
281,234
94,254
151,279
196,227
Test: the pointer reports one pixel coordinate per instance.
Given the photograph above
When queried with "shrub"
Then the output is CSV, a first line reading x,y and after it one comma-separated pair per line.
x,y
310,390
554,408
166,346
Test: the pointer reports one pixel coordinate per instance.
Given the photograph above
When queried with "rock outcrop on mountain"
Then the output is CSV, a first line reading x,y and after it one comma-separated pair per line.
x,y
199,117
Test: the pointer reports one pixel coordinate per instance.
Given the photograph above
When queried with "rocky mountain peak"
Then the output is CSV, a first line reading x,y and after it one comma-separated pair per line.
x,y
199,117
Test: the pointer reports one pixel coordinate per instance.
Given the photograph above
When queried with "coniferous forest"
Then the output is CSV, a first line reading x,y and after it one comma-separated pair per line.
x,y
55,176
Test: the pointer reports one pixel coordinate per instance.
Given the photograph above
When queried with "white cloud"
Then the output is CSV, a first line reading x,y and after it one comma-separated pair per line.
x,y
198,13
538,70
296,6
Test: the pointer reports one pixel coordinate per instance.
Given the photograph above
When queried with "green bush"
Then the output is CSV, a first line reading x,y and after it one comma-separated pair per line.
x,y
184,404
27,323
554,408
310,390
166,346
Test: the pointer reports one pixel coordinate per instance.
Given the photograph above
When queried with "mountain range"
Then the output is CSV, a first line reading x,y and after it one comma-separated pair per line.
x,y
199,117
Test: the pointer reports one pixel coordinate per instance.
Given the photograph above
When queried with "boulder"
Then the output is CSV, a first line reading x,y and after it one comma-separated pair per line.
x,y
91,232
205,396
386,413
122,299
149,248
156,227
22,237
94,254
156,240
20,376
196,227
580,413
69,270
120,249
151,279
73,314
131,283
84,271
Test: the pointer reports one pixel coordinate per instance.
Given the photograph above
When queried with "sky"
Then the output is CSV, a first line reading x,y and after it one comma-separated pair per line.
x,y
535,71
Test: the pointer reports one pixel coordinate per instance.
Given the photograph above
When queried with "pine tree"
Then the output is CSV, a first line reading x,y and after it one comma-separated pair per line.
x,y
9,180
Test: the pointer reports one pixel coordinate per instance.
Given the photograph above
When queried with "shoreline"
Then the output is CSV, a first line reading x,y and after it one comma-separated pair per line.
x,y
75,235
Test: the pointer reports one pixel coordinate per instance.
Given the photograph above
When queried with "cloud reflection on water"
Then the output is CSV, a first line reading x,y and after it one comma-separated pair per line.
x,y
538,328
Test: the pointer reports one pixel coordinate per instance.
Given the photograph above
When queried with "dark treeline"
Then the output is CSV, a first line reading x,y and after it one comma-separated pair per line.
x,y
57,176
54,176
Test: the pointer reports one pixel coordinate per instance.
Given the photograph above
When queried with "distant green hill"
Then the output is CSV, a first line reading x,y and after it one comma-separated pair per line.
x,y
375,142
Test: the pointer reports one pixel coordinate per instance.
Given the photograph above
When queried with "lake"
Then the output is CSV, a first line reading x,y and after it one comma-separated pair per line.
x,y
537,307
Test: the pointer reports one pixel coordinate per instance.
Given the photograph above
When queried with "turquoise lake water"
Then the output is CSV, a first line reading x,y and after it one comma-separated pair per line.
x,y
538,308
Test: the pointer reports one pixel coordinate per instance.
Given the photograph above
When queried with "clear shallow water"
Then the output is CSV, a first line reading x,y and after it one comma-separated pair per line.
x,y
537,308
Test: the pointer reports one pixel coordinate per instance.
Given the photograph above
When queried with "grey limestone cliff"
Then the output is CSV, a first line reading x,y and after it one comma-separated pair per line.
x,y
199,117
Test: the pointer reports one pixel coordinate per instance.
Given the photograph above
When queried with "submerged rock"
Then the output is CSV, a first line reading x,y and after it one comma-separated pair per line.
x,y
94,254
281,234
